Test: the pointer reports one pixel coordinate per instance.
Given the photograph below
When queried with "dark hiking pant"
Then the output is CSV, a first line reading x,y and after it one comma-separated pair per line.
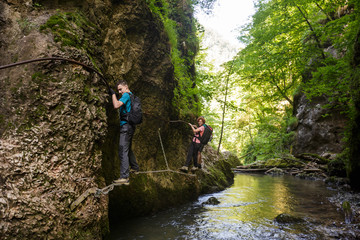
x,y
126,155
193,154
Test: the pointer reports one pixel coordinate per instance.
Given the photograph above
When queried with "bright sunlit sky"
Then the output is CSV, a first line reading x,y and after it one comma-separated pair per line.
x,y
226,16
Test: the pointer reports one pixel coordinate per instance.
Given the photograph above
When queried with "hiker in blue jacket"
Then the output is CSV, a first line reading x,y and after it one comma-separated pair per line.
x,y
126,155
195,146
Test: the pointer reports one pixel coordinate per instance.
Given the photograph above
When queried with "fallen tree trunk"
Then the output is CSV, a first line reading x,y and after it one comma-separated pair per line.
x,y
251,170
312,170
313,158
293,160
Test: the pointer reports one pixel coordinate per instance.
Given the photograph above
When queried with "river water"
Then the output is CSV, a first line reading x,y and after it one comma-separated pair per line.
x,y
246,210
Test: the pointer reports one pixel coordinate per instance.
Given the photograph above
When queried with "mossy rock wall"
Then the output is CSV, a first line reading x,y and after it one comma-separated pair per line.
x,y
353,170
59,132
53,125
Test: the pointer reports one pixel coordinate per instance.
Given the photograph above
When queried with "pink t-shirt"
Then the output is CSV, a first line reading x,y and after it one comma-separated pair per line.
x,y
195,139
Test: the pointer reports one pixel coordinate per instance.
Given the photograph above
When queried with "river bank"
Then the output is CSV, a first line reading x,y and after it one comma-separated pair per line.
x,y
316,168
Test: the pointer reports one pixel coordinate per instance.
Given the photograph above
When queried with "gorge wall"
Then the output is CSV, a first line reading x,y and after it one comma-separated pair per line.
x,y
354,142
319,130
59,132
322,122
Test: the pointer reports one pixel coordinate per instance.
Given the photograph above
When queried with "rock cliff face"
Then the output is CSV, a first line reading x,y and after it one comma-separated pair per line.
x,y
59,132
320,130
53,120
354,141
321,123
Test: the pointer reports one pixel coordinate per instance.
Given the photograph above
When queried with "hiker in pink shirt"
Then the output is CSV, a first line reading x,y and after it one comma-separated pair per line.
x,y
195,146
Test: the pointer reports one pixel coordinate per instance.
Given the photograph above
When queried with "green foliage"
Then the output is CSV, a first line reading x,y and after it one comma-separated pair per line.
x,y
331,76
291,47
68,29
331,79
180,28
37,6
39,77
26,25
337,168
270,137
291,122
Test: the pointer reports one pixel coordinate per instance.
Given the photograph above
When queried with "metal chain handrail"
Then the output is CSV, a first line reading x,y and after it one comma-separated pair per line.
x,y
103,191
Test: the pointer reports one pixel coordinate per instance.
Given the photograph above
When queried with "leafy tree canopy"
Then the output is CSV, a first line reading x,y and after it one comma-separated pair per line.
x,y
291,46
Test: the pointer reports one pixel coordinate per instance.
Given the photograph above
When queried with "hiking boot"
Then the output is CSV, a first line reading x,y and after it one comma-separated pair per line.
x,y
193,169
122,181
134,170
184,169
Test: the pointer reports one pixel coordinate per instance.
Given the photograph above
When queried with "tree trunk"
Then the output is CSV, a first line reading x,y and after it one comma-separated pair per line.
x,y
224,108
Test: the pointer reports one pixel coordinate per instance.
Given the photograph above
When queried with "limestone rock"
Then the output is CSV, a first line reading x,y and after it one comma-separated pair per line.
x,y
284,218
319,130
212,201
275,171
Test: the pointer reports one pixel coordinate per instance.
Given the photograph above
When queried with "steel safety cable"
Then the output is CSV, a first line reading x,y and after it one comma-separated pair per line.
x,y
87,67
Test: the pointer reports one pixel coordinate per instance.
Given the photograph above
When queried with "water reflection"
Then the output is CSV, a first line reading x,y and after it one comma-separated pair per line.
x,y
246,211
259,197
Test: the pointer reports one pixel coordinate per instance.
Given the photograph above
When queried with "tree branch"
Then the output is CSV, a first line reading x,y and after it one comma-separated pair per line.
x,y
272,78
327,15
313,31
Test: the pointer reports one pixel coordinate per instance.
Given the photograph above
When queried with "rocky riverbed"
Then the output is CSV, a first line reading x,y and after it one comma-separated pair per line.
x,y
318,168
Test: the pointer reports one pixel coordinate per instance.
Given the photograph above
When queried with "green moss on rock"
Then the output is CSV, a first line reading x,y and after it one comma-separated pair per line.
x,y
275,162
72,29
218,176
149,193
337,167
282,163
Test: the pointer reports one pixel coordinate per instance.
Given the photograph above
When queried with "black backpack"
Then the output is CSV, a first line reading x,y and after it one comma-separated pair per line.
x,y
207,135
133,117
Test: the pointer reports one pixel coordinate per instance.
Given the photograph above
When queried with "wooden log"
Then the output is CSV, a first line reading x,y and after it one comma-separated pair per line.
x,y
293,160
324,175
252,170
313,157
250,166
275,169
312,170
243,167
323,167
